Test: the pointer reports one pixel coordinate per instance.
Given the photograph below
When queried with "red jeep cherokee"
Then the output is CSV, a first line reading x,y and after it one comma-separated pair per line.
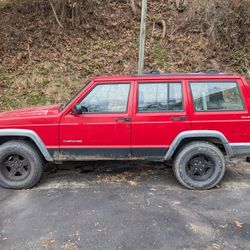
x,y
191,120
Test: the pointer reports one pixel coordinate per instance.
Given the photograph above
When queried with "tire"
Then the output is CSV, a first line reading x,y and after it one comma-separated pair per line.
x,y
199,165
21,166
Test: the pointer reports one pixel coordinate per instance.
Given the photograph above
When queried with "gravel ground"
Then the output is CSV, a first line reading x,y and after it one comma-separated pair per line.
x,y
126,205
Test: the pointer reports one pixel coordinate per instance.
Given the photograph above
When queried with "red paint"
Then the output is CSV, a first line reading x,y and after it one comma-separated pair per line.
x,y
57,128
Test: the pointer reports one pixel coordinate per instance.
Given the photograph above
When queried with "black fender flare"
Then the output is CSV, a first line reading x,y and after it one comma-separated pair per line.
x,y
31,135
198,134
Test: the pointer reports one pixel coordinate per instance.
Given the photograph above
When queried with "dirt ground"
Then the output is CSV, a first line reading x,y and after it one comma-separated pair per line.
x,y
126,205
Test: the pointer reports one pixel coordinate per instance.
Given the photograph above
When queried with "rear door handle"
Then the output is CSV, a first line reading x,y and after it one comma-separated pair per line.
x,y
178,118
123,119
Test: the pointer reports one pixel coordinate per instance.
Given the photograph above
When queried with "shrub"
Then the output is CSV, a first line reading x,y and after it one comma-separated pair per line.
x,y
225,22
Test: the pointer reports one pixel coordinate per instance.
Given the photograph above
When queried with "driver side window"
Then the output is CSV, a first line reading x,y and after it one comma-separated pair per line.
x,y
107,98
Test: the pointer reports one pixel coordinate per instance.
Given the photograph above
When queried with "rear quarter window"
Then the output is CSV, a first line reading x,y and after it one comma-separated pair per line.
x,y
216,96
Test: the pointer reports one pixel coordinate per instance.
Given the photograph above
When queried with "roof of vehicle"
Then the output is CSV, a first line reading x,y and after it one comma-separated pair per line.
x,y
156,74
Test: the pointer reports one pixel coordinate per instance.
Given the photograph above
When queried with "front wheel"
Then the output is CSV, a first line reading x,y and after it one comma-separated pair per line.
x,y
199,165
21,166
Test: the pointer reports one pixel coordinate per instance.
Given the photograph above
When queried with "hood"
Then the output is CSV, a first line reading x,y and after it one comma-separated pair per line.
x,y
31,112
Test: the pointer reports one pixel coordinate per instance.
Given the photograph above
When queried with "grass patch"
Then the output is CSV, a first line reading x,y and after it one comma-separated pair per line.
x,y
160,54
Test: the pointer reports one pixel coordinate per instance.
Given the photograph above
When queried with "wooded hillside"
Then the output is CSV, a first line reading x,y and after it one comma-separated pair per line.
x,y
49,48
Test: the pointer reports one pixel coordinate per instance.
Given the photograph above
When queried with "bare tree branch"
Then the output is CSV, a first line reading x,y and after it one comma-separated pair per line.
x,y
55,15
152,34
133,7
181,5
164,28
28,49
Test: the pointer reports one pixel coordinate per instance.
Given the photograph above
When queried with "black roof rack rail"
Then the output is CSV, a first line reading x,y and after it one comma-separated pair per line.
x,y
154,72
210,71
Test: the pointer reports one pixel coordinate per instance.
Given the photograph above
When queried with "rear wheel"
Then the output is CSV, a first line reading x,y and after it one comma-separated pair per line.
x,y
21,166
199,165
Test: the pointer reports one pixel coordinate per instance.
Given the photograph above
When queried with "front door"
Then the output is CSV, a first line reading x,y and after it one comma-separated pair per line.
x,y
103,130
159,115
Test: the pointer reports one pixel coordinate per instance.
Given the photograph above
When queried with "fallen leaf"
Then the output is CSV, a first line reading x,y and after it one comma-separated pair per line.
x,y
175,203
216,246
223,226
48,242
99,230
238,224
132,183
70,246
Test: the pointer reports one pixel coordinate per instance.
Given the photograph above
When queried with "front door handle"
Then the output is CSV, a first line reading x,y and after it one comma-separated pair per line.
x,y
178,118
123,119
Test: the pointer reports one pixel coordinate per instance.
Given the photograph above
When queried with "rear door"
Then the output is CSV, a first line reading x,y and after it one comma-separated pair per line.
x,y
160,113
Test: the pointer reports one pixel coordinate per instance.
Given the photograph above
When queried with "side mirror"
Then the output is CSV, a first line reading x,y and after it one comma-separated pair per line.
x,y
79,109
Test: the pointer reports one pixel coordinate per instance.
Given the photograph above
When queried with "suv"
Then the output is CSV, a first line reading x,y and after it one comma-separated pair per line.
x,y
192,120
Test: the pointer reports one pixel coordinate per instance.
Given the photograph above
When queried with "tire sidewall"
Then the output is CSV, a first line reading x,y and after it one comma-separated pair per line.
x,y
30,155
195,149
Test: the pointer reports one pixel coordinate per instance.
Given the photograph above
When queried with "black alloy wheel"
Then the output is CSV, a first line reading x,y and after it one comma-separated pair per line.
x,y
21,165
15,167
200,167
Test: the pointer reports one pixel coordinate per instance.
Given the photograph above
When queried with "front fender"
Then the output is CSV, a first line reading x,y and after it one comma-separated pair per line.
x,y
31,135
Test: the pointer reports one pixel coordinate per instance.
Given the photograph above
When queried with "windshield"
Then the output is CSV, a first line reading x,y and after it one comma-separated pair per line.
x,y
64,105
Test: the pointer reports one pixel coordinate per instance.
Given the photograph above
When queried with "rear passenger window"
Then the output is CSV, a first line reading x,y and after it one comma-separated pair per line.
x,y
160,97
216,96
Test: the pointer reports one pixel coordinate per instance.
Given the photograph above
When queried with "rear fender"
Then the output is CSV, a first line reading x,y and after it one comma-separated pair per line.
x,y
195,134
